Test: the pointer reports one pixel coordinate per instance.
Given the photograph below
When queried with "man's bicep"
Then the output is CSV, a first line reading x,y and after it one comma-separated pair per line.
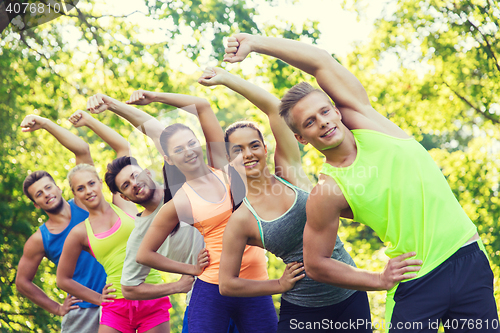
x,y
323,213
32,256
341,85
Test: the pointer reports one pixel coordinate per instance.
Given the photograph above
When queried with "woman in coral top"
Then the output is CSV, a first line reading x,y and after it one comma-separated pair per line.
x,y
204,197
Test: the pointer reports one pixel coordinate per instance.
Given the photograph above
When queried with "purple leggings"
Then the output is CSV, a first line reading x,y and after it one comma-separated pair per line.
x,y
209,311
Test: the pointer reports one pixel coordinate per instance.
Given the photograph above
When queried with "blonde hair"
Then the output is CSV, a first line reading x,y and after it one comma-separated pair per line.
x,y
81,167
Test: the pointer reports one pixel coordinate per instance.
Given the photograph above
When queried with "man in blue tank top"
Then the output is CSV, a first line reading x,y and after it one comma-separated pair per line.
x,y
378,175
48,240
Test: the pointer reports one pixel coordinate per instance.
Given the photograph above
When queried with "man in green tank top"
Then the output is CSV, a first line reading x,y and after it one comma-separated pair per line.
x,y
378,175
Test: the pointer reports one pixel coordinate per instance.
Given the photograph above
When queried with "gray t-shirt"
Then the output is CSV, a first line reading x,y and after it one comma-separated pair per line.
x,y
182,246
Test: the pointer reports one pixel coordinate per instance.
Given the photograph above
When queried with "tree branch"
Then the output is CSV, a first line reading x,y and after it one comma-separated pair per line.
x,y
108,15
493,119
488,45
23,39
83,18
121,16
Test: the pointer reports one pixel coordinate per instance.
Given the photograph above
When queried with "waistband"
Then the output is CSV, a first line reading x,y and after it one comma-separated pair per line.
x,y
465,250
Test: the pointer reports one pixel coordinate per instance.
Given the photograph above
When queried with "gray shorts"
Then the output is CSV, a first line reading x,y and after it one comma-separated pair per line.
x,y
81,320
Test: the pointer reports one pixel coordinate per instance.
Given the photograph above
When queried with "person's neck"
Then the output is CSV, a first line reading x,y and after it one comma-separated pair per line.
x,y
100,209
198,174
63,217
344,154
151,205
80,204
258,185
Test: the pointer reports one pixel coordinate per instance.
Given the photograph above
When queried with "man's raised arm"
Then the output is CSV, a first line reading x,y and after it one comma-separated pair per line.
x,y
69,140
342,86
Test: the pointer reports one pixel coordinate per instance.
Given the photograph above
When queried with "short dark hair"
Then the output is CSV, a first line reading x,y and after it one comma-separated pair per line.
x,y
114,168
33,178
291,98
241,124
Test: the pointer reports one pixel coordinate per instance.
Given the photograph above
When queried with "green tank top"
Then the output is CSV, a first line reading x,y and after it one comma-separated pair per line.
x,y
395,187
110,251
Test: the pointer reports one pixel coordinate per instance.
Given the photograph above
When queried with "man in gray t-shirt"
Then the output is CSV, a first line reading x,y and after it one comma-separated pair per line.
x,y
125,176
183,246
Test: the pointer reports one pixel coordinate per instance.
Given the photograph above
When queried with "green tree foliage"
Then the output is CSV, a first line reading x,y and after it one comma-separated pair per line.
x,y
444,90
51,70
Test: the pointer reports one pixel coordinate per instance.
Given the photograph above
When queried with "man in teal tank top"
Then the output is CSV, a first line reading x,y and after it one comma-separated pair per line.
x,y
378,175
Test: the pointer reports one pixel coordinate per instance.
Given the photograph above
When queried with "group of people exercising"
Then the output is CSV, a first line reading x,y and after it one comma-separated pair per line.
x,y
213,218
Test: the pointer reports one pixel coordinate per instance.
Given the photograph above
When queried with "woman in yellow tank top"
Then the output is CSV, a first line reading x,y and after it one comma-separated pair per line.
x,y
104,235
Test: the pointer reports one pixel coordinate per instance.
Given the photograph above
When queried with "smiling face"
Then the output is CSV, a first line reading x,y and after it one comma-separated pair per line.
x,y
184,151
47,195
135,184
87,187
318,122
248,151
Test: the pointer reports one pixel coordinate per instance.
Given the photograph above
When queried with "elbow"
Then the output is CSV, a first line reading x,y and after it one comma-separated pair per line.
x,y
312,270
128,292
203,105
21,285
60,282
225,289
141,258
63,282
323,60
83,150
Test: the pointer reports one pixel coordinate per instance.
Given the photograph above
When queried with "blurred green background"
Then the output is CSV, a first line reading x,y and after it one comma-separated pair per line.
x,y
432,67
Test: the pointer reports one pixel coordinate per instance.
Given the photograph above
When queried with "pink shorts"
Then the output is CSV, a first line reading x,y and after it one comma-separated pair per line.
x,y
127,315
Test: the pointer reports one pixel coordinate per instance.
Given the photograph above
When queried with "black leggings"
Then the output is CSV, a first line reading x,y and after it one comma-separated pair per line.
x,y
350,315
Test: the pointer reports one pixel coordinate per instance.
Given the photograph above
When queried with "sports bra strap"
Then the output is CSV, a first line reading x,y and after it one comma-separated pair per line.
x,y
250,208
286,182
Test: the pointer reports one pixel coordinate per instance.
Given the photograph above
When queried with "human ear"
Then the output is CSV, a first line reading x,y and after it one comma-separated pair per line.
x,y
301,139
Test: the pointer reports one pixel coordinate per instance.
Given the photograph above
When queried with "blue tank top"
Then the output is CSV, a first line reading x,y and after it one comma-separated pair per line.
x,y
88,271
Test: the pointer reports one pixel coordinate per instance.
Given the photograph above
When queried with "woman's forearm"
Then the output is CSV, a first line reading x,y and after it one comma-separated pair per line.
x,y
238,287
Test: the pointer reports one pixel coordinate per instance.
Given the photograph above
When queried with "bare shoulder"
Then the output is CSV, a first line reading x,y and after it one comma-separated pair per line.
x,y
327,193
295,175
325,205
180,200
243,223
34,244
79,233
181,205
240,216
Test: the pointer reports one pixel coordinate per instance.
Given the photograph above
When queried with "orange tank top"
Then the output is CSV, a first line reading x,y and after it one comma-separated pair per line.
x,y
211,220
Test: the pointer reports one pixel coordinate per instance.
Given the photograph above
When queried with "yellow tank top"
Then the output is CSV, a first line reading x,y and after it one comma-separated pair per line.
x,y
396,188
110,251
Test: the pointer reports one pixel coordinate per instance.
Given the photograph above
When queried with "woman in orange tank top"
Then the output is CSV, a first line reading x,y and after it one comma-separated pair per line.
x,y
202,196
